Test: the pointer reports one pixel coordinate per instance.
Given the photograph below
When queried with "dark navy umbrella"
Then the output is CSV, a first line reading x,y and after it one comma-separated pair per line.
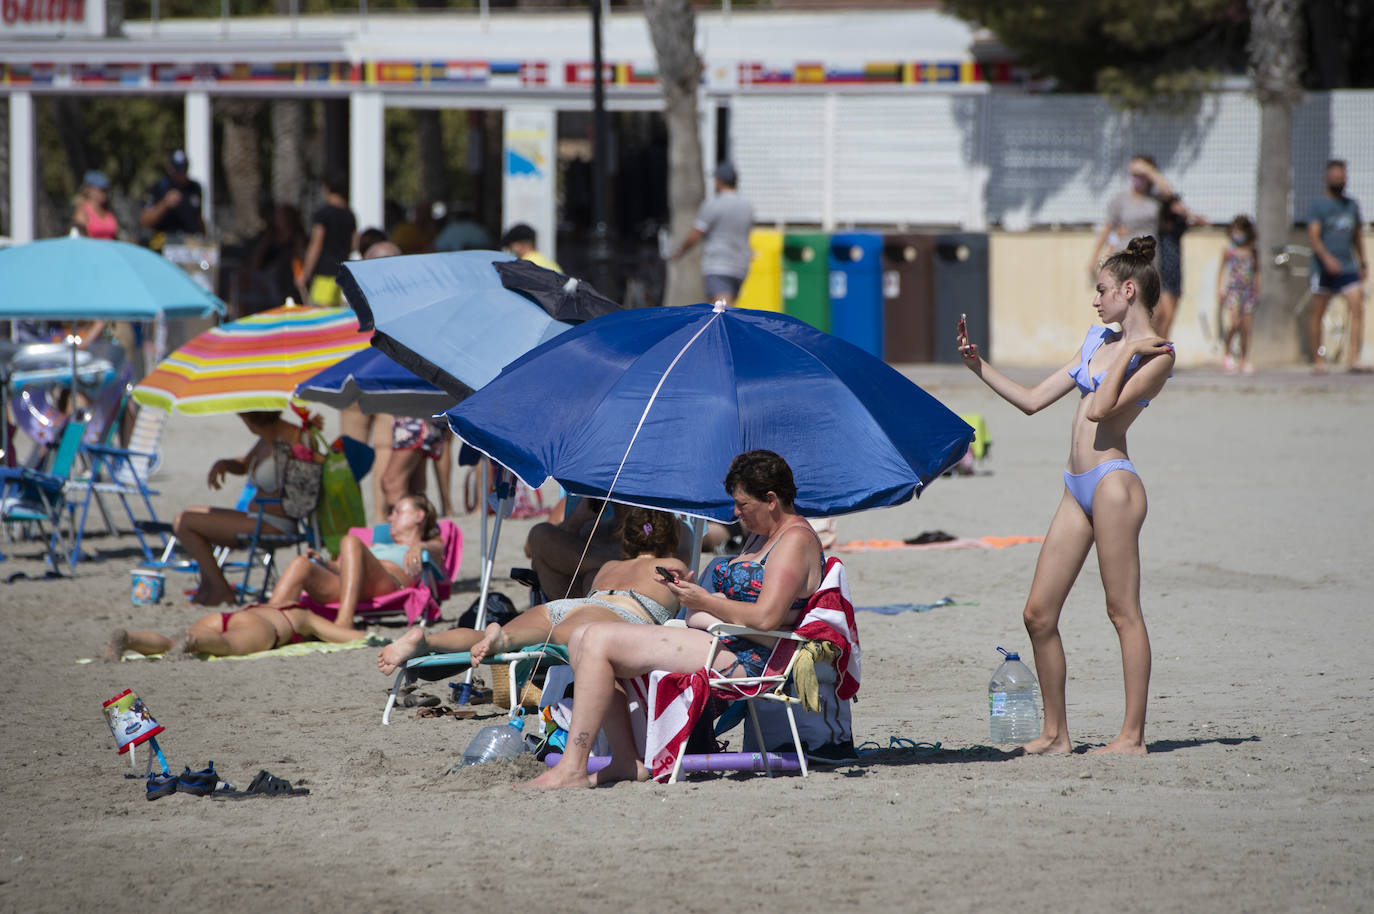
x,y
566,299
676,393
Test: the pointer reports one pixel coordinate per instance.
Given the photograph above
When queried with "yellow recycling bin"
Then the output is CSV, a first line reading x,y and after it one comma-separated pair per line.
x,y
762,288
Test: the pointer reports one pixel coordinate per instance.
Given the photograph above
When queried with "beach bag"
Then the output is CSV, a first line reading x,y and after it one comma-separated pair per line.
x,y
341,501
302,472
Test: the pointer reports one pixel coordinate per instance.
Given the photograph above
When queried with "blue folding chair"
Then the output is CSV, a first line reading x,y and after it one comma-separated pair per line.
x,y
30,496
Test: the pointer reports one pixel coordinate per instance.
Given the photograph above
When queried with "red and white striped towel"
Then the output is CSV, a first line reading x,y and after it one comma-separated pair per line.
x,y
673,702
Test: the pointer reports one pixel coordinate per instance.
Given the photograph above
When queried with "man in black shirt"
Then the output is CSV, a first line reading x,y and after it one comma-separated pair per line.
x,y
333,236
173,203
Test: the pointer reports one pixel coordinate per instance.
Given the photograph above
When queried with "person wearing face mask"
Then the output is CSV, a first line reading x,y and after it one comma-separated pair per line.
x,y
1238,288
1339,266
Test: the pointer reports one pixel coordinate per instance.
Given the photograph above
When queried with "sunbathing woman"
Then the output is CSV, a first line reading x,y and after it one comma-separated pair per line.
x,y
1117,374
364,572
764,588
200,529
627,590
233,634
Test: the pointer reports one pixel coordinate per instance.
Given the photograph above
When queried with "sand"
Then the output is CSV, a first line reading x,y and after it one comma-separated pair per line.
x,y
1256,795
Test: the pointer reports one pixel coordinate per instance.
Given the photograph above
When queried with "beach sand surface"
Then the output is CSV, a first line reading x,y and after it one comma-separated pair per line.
x,y
1257,794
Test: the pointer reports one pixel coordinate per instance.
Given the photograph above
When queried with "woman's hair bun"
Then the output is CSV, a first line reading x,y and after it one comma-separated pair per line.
x,y
1142,246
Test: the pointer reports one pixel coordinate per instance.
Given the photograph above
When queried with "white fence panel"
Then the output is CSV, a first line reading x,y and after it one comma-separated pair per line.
x,y
904,160
778,147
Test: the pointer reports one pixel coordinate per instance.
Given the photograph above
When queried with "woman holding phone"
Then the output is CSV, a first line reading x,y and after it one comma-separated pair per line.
x,y
1117,374
628,590
764,588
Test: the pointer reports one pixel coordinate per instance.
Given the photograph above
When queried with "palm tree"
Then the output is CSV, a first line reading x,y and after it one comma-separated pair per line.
x,y
1276,66
240,155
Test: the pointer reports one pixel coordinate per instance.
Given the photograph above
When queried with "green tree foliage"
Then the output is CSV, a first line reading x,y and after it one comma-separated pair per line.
x,y
1160,53
1139,54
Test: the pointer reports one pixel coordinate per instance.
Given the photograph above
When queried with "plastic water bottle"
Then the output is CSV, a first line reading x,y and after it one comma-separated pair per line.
x,y
500,741
1013,702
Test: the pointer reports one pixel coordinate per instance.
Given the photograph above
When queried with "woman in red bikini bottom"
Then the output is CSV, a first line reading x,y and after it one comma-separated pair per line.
x,y
257,628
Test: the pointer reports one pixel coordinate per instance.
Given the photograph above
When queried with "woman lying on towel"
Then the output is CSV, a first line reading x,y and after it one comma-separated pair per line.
x,y
362,571
233,634
628,591
763,588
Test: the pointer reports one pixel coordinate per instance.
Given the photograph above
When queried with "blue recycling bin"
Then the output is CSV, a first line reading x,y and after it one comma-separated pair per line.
x,y
856,290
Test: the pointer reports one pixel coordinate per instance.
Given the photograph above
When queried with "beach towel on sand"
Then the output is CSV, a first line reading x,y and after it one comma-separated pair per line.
x,y
982,542
672,703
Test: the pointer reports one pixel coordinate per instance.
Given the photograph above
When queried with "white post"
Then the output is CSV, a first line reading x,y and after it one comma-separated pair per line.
x,y
367,156
828,143
23,167
200,151
707,120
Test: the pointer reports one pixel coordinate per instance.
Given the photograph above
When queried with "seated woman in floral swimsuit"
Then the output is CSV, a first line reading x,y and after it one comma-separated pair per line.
x,y
764,492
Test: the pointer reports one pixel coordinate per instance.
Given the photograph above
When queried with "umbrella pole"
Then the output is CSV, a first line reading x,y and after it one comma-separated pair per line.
x,y
71,397
698,534
489,557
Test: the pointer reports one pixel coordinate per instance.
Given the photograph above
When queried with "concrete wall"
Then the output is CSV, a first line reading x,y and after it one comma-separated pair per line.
x,y
1041,297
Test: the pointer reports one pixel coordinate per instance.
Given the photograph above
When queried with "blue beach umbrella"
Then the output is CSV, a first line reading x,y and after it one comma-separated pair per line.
x,y
676,393
374,382
446,317
76,278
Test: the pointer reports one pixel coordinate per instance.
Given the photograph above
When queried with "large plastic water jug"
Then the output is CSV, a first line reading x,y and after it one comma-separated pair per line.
x,y
500,741
1013,702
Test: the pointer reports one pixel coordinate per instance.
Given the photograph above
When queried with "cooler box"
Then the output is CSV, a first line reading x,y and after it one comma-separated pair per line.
x,y
762,289
856,290
805,272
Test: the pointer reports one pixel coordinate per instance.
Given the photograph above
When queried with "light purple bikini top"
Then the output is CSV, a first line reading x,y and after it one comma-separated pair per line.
x,y
1087,383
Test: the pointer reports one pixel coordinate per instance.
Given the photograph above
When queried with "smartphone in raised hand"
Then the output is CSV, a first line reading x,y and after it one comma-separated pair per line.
x,y
666,573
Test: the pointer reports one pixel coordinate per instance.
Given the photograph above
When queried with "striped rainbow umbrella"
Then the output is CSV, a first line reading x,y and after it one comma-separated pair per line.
x,y
255,362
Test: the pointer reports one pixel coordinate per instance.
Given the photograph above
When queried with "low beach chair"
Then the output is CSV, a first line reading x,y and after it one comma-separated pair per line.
x,y
420,603
521,667
673,702
29,496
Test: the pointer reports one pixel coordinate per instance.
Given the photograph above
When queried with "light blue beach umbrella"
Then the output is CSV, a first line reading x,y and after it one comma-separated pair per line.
x,y
446,317
74,278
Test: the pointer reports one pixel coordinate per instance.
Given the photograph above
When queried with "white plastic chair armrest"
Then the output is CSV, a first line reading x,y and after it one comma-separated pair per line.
x,y
727,628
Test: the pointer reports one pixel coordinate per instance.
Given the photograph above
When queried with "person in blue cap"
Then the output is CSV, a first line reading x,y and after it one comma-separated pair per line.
x,y
173,203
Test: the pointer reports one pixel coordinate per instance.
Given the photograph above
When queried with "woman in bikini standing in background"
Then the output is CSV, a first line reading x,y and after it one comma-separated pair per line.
x,y
1117,374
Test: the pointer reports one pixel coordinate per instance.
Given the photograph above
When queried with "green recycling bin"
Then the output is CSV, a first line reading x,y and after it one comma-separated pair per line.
x,y
806,277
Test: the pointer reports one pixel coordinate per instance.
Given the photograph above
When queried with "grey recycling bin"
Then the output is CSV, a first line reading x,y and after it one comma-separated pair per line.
x,y
961,287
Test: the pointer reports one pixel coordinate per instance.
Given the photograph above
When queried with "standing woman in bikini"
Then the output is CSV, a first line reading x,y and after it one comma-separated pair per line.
x,y
1117,374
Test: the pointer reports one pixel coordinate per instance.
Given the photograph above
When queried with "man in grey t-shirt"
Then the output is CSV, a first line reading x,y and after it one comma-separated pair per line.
x,y
1338,264
724,223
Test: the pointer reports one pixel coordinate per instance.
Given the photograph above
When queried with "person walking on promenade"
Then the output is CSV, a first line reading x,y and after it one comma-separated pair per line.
x,y
722,228
1117,374
1339,266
